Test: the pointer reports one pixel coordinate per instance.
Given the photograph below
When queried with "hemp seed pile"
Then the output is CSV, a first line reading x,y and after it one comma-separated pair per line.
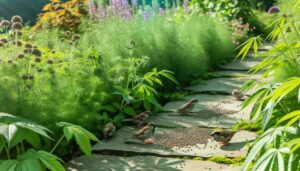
x,y
182,137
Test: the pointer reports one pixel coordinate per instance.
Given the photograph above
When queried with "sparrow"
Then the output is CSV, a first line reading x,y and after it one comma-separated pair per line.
x,y
238,95
223,136
187,107
149,141
145,132
140,119
109,130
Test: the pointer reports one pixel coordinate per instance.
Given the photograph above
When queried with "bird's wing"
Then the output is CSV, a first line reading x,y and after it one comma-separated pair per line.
x,y
185,106
142,130
140,116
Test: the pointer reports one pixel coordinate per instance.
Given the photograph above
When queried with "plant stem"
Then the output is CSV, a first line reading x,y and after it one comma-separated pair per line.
x,y
58,142
23,148
7,151
18,151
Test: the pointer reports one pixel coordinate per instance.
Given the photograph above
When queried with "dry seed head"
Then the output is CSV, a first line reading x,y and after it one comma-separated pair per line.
x,y
4,23
50,61
9,61
28,46
36,52
53,51
75,37
37,59
34,47
25,77
1,44
30,77
67,33
27,51
4,40
17,43
21,55
17,26
17,33
16,19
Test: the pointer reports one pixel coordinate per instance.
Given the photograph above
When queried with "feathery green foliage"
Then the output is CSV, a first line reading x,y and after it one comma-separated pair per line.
x,y
184,47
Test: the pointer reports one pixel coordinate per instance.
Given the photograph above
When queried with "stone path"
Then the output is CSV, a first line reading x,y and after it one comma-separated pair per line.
x,y
189,146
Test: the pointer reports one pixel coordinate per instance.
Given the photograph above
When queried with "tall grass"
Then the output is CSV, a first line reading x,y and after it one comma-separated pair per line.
x,y
188,47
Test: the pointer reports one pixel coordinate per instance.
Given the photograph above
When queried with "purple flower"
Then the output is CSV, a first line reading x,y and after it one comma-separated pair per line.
x,y
186,4
125,4
134,2
273,10
101,11
92,9
114,6
146,15
161,11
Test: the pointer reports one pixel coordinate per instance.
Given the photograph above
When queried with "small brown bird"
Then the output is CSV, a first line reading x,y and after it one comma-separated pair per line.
x,y
149,141
109,130
238,95
140,119
223,136
145,132
187,107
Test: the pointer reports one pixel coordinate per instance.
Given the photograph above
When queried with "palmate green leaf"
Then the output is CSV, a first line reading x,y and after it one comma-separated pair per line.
x,y
267,114
33,160
129,111
8,165
169,75
82,136
294,143
295,6
291,117
245,47
276,155
264,141
257,95
278,25
284,89
254,151
8,131
84,143
50,161
16,129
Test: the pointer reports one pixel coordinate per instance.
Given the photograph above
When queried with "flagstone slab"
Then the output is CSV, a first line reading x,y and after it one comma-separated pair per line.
x,y
124,142
238,65
218,85
201,119
226,103
143,163
233,74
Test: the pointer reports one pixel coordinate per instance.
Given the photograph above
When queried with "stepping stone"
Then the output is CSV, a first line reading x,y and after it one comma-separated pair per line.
x,y
123,142
234,74
225,104
146,163
237,65
218,85
201,119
